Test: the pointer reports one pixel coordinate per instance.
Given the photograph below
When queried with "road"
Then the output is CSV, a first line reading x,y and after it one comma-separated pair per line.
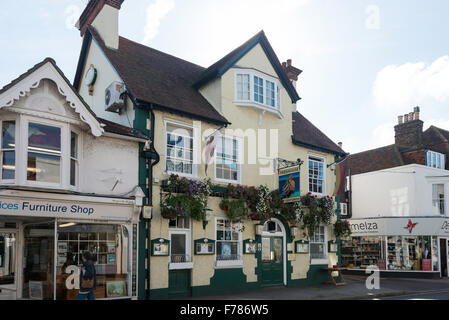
x,y
443,295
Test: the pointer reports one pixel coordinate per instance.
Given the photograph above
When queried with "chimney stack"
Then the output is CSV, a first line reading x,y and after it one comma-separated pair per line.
x,y
103,15
291,72
408,131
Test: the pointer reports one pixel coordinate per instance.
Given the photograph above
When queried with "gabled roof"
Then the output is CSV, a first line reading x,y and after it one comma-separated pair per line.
x,y
154,77
224,64
71,94
376,159
47,69
307,135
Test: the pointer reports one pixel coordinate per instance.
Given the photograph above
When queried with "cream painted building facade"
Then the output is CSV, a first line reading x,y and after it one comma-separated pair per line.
x,y
247,102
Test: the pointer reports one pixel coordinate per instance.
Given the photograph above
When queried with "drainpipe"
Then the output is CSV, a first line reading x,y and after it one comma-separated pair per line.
x,y
150,155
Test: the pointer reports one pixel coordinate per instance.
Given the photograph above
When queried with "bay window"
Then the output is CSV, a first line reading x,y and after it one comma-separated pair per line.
x,y
257,89
7,150
38,152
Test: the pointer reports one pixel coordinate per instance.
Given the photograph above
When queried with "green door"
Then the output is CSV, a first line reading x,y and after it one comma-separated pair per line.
x,y
272,261
179,284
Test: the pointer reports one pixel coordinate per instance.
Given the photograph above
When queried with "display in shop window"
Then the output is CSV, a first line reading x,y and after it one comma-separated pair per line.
x,y
115,289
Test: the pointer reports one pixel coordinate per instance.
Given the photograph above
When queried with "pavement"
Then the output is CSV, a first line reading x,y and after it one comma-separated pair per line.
x,y
354,290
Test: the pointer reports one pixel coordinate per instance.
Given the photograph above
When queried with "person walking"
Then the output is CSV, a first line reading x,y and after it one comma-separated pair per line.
x,y
88,278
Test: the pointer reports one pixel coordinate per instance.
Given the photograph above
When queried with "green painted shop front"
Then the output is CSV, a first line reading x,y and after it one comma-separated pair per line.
x,y
233,280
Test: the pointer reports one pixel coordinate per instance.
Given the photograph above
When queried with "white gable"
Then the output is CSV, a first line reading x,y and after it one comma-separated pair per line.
x,y
46,92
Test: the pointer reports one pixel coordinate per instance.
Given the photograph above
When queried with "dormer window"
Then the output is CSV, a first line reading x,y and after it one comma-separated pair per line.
x,y
258,90
435,160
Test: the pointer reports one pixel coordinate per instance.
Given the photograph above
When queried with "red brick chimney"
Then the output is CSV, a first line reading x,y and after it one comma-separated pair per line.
x,y
92,10
291,72
409,130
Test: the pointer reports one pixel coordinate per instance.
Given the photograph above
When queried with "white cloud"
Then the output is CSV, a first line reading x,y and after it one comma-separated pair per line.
x,y
407,85
156,11
382,135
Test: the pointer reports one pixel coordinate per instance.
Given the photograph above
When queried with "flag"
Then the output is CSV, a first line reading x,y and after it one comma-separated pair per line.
x,y
340,177
211,145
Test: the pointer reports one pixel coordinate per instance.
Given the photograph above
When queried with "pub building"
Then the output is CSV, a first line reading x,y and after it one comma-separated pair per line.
x,y
397,204
68,184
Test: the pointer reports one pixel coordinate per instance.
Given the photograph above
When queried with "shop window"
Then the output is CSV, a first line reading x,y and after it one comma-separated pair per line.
x,y
7,150
109,247
180,251
438,198
318,244
409,253
44,153
228,242
179,150
227,167
361,252
316,175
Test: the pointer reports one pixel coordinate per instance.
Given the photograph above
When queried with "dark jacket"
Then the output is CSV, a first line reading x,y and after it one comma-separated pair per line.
x,y
88,272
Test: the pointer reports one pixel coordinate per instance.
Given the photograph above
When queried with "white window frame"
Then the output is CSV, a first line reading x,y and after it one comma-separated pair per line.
x,y
194,151
17,138
343,209
438,156
228,263
78,160
187,233
239,160
438,200
265,107
325,244
22,127
324,174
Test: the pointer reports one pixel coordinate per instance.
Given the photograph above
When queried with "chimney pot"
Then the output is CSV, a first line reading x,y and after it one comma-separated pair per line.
x,y
400,119
410,116
289,62
340,144
405,118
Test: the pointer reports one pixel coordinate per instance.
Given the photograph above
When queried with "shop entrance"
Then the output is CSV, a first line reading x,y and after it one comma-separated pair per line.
x,y
272,258
8,265
38,261
443,257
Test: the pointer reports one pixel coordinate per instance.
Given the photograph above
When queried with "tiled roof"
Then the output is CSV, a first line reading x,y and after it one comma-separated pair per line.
x,y
306,134
116,128
376,159
158,78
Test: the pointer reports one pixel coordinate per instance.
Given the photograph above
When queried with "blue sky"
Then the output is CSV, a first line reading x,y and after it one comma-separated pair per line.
x,y
364,62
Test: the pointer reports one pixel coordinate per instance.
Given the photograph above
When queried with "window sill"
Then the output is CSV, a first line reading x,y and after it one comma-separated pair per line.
x,y
179,266
229,264
319,261
261,107
186,175
224,181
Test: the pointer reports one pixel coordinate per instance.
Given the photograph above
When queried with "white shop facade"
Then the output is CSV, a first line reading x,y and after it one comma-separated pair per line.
x,y
42,236
399,246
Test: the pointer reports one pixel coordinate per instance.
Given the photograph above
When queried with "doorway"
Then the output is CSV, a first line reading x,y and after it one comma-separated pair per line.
x,y
443,257
38,261
273,254
8,265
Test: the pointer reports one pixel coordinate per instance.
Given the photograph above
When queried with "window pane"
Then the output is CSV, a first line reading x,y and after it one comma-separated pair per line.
x,y
73,171
74,145
43,168
8,165
178,244
8,134
44,138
